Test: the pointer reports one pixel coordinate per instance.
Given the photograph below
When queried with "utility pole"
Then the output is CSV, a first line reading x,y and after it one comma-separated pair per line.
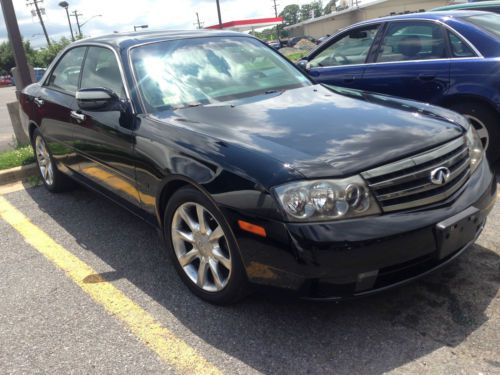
x,y
16,42
275,6
76,15
39,14
198,23
218,13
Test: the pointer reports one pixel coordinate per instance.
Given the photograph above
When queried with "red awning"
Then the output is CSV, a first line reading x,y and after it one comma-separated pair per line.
x,y
247,25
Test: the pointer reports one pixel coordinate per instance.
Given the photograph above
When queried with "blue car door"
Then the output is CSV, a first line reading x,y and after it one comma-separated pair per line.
x,y
412,61
341,61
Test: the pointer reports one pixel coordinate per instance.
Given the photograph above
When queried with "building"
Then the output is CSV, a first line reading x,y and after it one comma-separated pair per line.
x,y
331,23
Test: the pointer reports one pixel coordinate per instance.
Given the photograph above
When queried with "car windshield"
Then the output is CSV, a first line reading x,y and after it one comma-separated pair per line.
x,y
200,71
489,22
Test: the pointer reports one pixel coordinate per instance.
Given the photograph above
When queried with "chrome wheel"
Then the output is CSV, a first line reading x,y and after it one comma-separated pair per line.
x,y
482,131
201,247
44,161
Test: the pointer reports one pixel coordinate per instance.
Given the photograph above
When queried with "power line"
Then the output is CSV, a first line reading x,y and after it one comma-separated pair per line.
x,y
39,12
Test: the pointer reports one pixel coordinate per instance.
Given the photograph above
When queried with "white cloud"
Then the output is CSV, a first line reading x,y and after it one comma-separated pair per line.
x,y
122,15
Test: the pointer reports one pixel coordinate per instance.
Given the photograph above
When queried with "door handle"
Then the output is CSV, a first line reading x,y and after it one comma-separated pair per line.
x,y
348,79
39,102
426,77
77,116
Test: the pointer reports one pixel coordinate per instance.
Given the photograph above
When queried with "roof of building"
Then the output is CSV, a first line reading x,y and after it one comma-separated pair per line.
x,y
246,25
476,5
125,40
335,14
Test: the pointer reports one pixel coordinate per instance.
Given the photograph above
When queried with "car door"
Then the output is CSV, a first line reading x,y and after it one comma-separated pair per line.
x,y
55,102
105,136
412,61
341,61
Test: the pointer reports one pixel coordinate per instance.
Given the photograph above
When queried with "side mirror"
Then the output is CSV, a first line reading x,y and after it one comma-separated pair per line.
x,y
98,98
303,65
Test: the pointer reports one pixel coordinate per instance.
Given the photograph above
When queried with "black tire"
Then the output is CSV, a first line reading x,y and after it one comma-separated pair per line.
x,y
237,284
59,181
488,118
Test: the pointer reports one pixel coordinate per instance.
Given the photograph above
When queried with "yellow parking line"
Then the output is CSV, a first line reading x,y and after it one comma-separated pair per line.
x,y
169,348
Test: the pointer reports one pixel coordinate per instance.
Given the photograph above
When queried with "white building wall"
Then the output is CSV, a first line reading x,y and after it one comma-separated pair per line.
x,y
331,24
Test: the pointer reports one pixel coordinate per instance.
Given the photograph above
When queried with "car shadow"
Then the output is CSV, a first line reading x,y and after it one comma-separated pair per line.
x,y
285,335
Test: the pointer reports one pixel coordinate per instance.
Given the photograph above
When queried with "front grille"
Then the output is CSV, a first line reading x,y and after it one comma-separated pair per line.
x,y
406,183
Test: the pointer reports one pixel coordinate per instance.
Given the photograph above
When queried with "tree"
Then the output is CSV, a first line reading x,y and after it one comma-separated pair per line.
x,y
307,10
36,58
330,7
290,14
7,61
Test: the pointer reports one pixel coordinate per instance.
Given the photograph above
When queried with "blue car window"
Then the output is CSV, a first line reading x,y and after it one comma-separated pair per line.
x,y
405,41
458,47
350,49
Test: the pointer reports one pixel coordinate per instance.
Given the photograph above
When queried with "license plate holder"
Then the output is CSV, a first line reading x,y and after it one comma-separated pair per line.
x,y
457,231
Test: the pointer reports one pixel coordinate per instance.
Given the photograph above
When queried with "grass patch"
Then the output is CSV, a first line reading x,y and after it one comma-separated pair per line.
x,y
297,56
16,158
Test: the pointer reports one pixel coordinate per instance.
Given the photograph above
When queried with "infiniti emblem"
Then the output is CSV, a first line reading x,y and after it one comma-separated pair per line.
x,y
440,176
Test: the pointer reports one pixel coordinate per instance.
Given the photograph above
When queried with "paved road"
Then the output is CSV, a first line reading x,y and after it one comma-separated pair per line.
x,y
7,95
448,323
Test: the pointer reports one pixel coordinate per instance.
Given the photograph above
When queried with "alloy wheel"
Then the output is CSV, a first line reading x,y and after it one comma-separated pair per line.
x,y
482,131
44,161
200,246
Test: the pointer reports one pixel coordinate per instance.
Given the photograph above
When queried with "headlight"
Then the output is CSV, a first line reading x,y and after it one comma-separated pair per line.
x,y
322,200
475,148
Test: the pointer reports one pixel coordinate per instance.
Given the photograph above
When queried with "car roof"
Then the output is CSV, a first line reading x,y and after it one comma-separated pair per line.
x,y
125,40
437,16
476,5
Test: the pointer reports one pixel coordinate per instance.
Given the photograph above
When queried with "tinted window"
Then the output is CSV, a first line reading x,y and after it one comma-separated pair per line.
x,y
101,70
352,48
412,41
67,72
203,71
489,22
458,47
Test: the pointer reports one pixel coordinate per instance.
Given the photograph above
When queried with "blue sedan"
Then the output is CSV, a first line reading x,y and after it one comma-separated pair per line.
x,y
451,59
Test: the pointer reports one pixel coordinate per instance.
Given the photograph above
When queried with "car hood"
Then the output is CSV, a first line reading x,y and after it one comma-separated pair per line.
x,y
324,131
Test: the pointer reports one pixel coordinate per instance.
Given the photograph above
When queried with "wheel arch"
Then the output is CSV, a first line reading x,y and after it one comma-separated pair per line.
x,y
169,186
450,101
31,129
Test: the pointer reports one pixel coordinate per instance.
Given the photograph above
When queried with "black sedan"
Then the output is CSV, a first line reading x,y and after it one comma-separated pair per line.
x,y
253,173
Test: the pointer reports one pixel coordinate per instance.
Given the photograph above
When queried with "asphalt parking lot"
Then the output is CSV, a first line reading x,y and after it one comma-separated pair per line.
x,y
51,320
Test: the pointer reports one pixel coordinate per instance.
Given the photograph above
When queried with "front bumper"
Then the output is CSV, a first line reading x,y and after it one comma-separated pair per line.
x,y
332,260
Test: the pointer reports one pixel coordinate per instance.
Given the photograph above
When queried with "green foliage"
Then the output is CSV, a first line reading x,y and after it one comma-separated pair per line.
x,y
44,56
16,158
297,55
36,58
307,10
7,57
290,14
266,34
330,7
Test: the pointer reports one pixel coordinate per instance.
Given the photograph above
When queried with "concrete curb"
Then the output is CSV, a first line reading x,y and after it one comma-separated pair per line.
x,y
9,176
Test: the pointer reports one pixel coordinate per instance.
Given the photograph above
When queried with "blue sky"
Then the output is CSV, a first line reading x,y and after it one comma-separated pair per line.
x,y
122,15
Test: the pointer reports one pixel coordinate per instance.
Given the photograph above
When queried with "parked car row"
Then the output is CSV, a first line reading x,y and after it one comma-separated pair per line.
x,y
448,59
6,81
256,174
